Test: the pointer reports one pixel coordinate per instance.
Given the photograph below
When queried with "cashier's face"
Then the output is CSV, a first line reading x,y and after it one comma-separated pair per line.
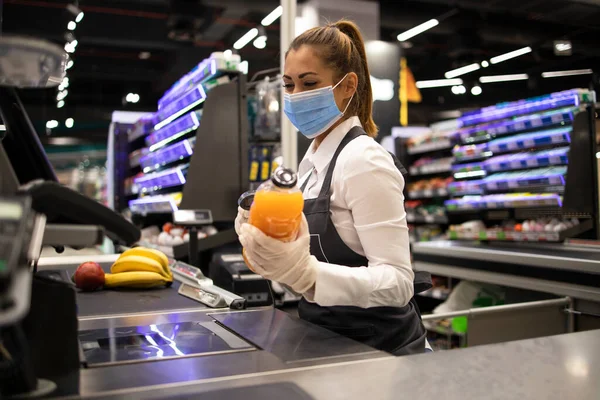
x,y
305,71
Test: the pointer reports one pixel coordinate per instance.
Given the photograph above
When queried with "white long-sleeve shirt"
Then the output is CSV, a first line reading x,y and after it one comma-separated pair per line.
x,y
367,210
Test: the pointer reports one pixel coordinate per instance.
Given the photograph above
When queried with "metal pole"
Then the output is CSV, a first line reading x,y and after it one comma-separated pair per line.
x,y
473,312
289,140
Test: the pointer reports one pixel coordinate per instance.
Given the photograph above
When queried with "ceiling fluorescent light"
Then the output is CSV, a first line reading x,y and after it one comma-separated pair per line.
x,y
417,30
272,17
503,78
512,54
244,40
439,83
572,72
462,70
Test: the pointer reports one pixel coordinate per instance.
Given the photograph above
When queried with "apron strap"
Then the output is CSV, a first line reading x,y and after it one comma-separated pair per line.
x,y
350,136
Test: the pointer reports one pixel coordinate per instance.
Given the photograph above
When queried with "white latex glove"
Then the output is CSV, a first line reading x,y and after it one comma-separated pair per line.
x,y
240,219
288,263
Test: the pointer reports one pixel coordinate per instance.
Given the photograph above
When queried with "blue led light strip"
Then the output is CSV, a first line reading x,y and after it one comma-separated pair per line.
x,y
166,156
178,107
506,110
199,74
173,131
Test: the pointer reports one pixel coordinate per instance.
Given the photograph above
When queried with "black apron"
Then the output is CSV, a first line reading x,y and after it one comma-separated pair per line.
x,y
397,330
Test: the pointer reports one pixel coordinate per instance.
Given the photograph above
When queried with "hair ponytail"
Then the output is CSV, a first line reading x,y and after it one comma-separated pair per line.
x,y
341,46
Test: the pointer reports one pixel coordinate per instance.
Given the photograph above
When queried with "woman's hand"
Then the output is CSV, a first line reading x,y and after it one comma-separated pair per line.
x,y
240,219
288,263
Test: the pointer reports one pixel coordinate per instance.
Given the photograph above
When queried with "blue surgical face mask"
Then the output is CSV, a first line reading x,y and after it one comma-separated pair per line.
x,y
314,111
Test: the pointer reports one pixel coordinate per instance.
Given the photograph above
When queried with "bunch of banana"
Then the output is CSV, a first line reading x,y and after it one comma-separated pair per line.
x,y
140,268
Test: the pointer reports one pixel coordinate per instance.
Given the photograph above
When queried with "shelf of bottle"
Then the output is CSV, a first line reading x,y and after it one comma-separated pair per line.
x,y
569,98
157,181
158,204
525,141
167,155
482,133
503,201
438,145
427,193
515,236
414,218
430,169
205,71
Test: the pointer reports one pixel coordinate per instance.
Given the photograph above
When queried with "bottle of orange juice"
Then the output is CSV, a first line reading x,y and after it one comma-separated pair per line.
x,y
277,206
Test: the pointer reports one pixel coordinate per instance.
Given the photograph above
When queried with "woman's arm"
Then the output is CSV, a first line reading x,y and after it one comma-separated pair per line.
x,y
371,187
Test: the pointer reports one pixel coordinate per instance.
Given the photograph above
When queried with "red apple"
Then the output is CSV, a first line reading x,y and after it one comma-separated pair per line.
x,y
89,276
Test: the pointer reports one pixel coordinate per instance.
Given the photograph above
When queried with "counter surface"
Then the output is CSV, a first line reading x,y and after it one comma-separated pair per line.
x,y
558,367
556,256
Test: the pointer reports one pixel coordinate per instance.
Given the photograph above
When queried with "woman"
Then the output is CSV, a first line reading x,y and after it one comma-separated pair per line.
x,y
351,259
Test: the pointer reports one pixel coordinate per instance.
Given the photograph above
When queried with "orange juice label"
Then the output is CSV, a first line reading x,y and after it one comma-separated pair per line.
x,y
277,214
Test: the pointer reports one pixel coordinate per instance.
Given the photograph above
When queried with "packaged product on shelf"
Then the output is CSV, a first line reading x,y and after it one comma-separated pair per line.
x,y
471,152
430,165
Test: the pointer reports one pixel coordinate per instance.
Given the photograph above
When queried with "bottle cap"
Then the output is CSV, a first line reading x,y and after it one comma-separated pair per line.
x,y
246,199
284,178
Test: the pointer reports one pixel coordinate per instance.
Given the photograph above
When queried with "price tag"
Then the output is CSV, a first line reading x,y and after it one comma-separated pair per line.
x,y
557,139
555,160
536,122
532,162
557,118
429,219
512,145
427,193
492,186
528,143
519,126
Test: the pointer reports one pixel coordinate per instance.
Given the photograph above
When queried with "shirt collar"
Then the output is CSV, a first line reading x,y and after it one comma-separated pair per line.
x,y
321,157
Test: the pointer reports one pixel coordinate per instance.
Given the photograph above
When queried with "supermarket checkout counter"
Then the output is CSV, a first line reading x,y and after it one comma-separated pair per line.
x,y
568,269
131,339
557,367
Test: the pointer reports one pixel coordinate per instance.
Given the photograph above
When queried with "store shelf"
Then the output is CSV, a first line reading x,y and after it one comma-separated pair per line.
x,y
428,193
442,144
464,188
171,111
550,137
154,182
414,218
528,160
494,201
550,176
488,131
208,69
513,236
168,155
173,131
568,98
158,204
430,169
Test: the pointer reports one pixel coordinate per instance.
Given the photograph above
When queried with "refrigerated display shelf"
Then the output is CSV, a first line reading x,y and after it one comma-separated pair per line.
x,y
413,218
179,106
173,131
430,169
160,180
528,160
208,69
441,144
519,124
501,201
168,155
427,193
524,141
568,98
155,204
551,176
514,236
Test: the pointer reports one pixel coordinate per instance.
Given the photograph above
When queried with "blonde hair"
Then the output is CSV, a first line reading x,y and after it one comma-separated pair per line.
x,y
341,46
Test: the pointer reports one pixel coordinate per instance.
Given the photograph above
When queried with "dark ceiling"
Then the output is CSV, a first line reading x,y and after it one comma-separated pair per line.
x,y
177,34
